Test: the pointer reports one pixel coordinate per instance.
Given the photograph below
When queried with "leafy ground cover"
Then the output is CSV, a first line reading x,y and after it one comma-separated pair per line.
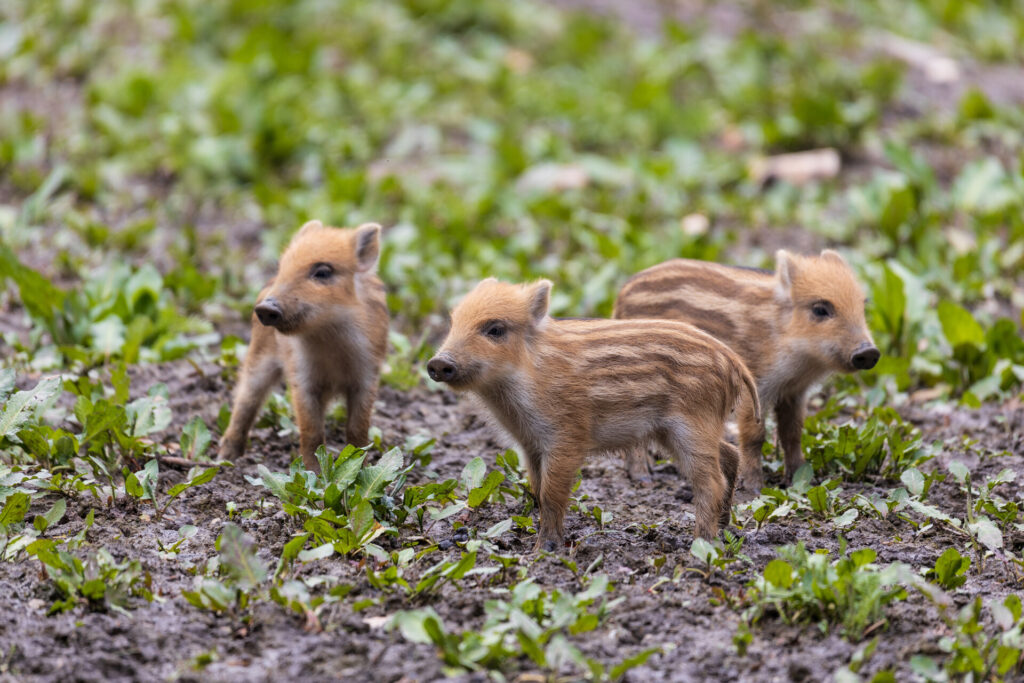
x,y
154,158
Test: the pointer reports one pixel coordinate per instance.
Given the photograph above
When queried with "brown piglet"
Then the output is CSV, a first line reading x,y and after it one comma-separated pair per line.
x,y
792,327
322,325
565,389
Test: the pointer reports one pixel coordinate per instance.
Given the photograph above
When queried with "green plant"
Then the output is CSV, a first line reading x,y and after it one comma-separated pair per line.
x,y
96,580
241,574
949,569
975,652
718,554
530,622
804,587
344,507
142,485
119,312
885,444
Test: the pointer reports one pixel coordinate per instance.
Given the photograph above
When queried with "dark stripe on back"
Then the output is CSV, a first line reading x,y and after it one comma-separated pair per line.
x,y
714,323
654,338
655,357
752,269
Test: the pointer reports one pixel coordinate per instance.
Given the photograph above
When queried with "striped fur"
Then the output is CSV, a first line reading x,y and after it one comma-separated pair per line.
x,y
767,318
330,341
564,389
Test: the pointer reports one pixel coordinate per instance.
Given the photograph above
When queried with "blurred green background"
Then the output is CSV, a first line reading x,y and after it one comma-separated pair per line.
x,y
155,156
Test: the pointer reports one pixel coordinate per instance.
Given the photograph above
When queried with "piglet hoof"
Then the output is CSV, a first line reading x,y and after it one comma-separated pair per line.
x,y
230,450
752,481
644,481
546,545
640,473
685,493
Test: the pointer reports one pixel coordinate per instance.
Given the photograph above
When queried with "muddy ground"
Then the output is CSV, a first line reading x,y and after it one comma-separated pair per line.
x,y
158,640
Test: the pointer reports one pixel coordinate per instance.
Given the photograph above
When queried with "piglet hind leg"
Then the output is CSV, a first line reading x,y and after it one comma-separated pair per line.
x,y
729,459
752,435
790,416
698,456
638,466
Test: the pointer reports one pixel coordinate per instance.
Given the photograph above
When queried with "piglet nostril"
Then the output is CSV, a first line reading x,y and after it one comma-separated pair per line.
x,y
269,313
865,358
441,370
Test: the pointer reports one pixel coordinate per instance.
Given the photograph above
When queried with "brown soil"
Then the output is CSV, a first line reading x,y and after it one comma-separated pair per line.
x,y
158,640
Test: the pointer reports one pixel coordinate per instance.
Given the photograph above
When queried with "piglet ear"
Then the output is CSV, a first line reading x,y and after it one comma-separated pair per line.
x,y
310,226
367,246
832,255
785,271
540,299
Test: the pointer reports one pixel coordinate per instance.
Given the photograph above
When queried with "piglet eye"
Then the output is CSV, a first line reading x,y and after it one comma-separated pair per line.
x,y
495,331
321,272
822,310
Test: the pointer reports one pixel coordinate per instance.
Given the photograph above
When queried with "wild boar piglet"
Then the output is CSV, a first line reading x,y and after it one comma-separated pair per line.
x,y
564,389
322,325
792,327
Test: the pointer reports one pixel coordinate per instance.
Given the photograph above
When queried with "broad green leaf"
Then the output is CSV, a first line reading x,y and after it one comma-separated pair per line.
x,y
988,533
846,519
22,406
950,567
779,573
319,553
361,520
480,494
899,207
531,648
959,326
292,547
204,475
346,472
889,302
144,284
103,417
7,377
958,470
238,557
45,550
473,473
411,624
195,439
913,480
373,479
108,335
51,516
14,509
147,478
983,187
132,486
639,659
818,497
274,482
465,563
802,478
498,529
149,414
703,550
